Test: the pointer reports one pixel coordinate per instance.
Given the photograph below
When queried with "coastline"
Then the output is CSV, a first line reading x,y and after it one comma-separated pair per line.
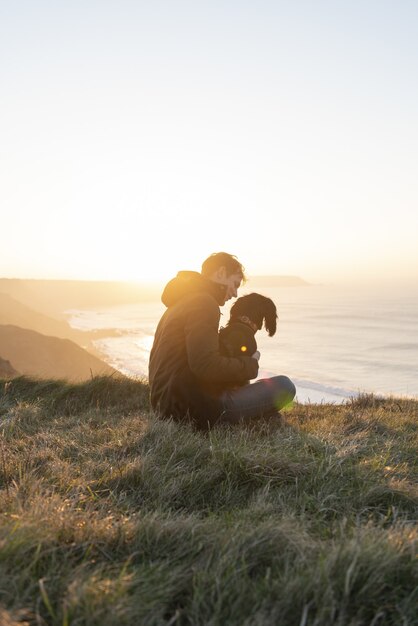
x,y
136,368
335,345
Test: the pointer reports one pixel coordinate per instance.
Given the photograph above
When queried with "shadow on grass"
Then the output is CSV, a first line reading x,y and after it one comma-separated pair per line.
x,y
172,468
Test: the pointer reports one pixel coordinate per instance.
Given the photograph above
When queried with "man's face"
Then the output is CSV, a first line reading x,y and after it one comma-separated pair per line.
x,y
232,283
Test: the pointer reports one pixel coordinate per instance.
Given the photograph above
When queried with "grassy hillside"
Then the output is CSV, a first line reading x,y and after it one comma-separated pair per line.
x,y
110,516
16,313
35,354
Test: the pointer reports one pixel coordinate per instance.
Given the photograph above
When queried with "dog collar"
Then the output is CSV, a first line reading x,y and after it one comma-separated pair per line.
x,y
250,323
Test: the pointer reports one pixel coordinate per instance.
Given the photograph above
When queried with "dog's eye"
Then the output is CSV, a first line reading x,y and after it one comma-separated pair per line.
x,y
243,348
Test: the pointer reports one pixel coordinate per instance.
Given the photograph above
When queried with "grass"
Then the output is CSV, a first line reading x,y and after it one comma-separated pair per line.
x,y
110,516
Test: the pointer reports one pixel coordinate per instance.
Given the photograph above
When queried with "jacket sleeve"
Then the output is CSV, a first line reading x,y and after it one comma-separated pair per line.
x,y
202,345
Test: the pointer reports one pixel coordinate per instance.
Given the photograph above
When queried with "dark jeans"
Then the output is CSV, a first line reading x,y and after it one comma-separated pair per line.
x,y
261,399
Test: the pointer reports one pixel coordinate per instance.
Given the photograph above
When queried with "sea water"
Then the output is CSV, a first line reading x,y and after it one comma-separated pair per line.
x,y
334,342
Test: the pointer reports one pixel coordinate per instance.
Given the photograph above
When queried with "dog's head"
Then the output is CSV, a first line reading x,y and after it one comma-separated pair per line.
x,y
259,309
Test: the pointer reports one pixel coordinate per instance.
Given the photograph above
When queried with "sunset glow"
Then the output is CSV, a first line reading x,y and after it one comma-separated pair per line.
x,y
138,138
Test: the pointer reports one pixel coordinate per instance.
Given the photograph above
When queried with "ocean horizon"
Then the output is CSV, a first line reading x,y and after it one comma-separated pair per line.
x,y
334,342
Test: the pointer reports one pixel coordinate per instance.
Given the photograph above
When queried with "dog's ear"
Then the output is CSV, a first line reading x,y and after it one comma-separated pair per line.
x,y
270,317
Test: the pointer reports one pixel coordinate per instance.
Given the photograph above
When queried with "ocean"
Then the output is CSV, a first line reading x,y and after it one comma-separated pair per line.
x,y
334,342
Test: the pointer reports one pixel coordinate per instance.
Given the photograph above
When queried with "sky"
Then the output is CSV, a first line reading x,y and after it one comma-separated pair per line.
x,y
138,137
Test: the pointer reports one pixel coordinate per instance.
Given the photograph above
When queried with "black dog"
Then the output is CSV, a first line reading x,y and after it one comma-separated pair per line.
x,y
246,317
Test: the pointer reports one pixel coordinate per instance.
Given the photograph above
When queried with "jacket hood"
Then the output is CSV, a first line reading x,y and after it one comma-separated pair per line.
x,y
186,283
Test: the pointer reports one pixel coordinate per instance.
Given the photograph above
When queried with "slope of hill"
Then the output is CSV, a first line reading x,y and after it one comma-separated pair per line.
x,y
7,370
18,314
34,354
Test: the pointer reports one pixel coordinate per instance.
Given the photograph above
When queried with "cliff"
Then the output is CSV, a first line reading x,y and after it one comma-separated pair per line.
x,y
18,314
42,356
7,370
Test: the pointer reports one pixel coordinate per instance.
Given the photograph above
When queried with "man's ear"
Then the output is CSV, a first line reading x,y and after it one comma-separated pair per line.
x,y
220,274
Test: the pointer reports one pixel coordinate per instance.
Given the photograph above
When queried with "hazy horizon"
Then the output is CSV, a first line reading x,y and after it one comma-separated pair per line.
x,y
157,283
138,138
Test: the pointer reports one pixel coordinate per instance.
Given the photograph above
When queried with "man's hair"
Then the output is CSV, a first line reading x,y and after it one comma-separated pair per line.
x,y
223,259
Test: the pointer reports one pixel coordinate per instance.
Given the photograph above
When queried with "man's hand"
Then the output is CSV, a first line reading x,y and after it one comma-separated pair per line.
x,y
256,355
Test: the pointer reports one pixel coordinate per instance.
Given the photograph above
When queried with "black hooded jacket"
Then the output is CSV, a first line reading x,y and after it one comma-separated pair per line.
x,y
185,364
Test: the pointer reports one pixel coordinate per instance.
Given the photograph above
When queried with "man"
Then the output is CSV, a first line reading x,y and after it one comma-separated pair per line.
x,y
185,364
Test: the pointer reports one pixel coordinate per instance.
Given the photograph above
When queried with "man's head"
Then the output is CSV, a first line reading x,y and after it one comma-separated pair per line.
x,y
225,269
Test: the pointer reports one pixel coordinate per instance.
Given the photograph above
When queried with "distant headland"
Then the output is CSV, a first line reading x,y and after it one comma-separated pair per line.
x,y
52,297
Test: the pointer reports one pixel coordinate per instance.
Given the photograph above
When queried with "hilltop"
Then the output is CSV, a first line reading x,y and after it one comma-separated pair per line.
x,y
37,344
112,517
16,313
7,370
35,354
53,297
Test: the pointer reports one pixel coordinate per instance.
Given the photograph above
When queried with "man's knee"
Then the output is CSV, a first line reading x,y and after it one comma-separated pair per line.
x,y
287,386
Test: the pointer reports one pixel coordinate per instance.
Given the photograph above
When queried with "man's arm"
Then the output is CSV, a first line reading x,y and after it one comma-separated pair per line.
x,y
237,340
202,344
